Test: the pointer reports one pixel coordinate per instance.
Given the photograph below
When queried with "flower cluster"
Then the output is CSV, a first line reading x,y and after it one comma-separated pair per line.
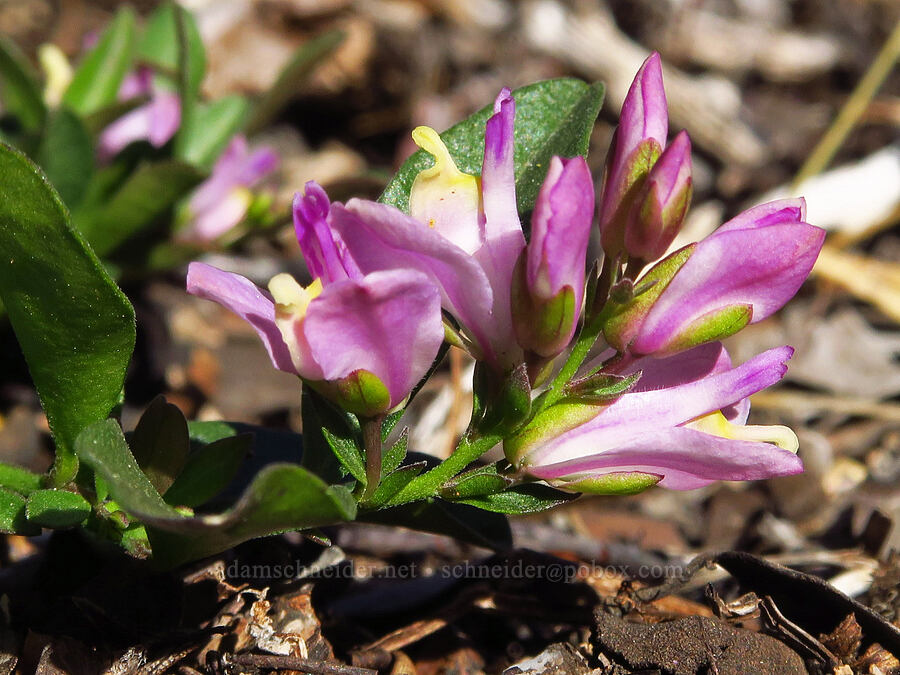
x,y
661,404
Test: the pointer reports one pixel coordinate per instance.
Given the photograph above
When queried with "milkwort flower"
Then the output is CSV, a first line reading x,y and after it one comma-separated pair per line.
x,y
363,340
682,426
155,121
221,201
742,273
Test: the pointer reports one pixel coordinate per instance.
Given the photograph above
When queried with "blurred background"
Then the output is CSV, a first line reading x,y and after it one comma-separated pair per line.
x,y
758,84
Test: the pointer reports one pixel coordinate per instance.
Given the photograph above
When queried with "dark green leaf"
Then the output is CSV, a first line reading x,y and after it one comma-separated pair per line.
x,y
102,447
203,137
457,520
12,514
17,479
554,117
393,482
292,77
19,87
282,497
75,327
395,454
348,452
476,485
159,44
56,508
390,421
97,79
66,154
529,498
316,412
160,443
210,432
208,471
145,197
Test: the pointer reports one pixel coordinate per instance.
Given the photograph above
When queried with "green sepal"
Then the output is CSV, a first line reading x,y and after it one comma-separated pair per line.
x,y
501,407
543,326
637,166
601,387
616,483
621,322
361,393
716,325
547,424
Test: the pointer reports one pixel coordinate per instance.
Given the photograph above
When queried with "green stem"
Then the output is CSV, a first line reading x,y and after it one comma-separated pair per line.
x,y
853,109
470,448
65,468
371,431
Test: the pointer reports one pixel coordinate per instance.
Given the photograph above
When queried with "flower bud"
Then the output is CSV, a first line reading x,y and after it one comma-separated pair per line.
x,y
661,204
637,144
548,281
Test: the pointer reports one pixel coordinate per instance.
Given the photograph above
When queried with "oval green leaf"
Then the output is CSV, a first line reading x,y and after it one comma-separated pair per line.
x,y
75,327
56,508
554,117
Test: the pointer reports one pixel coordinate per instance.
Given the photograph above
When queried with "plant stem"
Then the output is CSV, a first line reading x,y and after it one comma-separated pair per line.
x,y
371,431
470,448
852,110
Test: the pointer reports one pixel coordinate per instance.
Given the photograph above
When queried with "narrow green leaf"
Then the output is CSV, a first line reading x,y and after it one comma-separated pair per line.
x,y
12,514
56,508
18,479
210,432
66,154
282,497
159,46
476,485
20,89
208,471
529,498
144,198
554,117
97,79
75,327
102,446
348,452
202,138
160,443
291,78
316,412
392,483
395,455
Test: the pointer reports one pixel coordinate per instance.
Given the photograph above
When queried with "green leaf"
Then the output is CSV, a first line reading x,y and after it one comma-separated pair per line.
x,y
144,198
475,485
66,154
210,432
554,117
393,482
202,138
159,46
17,479
160,443
96,82
292,77
395,455
75,327
208,471
20,88
529,498
102,446
281,497
56,508
317,412
453,519
348,452
12,514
